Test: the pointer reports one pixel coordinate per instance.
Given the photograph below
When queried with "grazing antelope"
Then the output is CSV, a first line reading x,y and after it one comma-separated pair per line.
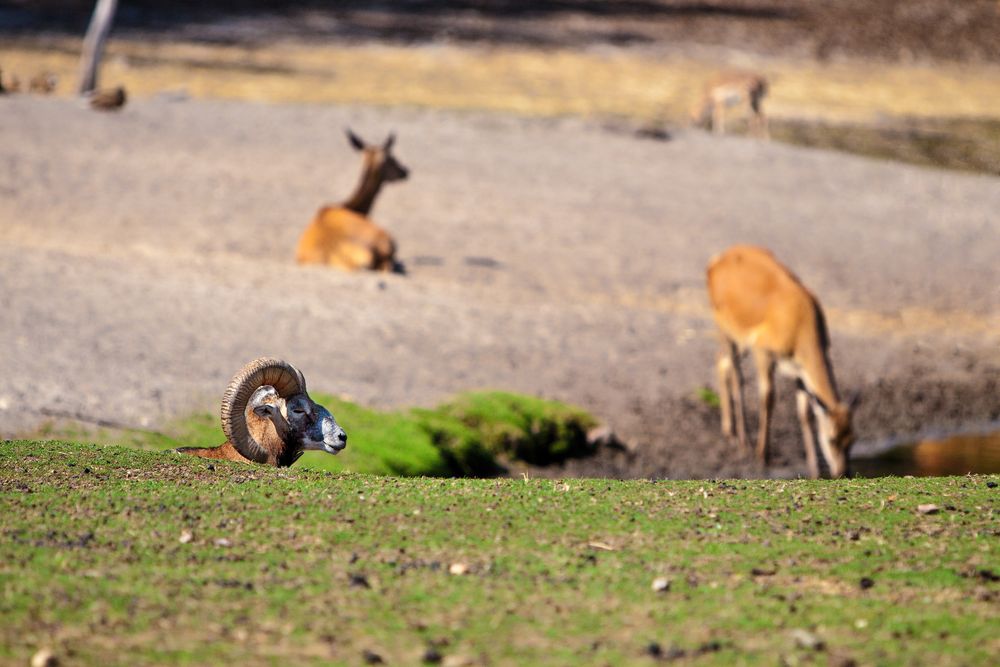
x,y
761,305
344,236
43,83
743,89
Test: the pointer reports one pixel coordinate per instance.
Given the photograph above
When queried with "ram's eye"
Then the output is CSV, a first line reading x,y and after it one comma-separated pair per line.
x,y
298,411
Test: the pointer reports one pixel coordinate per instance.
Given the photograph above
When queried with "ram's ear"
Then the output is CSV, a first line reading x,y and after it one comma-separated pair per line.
x,y
389,141
355,140
266,410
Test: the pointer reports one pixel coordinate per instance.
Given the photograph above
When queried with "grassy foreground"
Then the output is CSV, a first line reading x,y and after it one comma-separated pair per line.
x,y
117,556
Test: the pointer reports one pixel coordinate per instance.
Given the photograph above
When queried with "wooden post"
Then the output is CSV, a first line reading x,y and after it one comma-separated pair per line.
x,y
93,44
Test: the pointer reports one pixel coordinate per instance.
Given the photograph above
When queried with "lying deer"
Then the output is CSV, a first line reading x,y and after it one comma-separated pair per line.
x,y
733,89
344,236
760,305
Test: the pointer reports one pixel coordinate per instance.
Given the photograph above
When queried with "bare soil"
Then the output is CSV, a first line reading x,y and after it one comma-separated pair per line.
x,y
145,256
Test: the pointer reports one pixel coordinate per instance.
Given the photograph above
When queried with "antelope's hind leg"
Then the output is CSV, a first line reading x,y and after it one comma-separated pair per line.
x,y
731,393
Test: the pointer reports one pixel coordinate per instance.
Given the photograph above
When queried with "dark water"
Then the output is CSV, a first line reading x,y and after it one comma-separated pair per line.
x,y
955,455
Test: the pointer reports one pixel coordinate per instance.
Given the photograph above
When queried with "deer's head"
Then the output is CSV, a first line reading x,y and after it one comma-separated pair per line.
x,y
379,160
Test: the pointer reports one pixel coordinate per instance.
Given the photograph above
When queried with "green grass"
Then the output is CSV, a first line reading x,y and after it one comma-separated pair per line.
x,y
955,143
474,434
708,396
557,573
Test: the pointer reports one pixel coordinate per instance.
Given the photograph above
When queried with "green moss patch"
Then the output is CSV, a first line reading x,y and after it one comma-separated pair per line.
x,y
475,434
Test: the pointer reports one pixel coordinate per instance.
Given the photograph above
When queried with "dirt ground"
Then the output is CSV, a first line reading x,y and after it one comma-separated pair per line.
x,y
145,256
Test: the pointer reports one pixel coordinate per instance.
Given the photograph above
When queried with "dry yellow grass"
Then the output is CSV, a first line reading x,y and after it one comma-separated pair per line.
x,y
519,80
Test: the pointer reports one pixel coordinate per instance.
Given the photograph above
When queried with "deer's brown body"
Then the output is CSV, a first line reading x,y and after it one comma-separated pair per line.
x,y
745,90
343,236
760,305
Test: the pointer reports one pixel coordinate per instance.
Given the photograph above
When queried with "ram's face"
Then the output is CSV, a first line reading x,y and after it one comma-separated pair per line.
x,y
316,427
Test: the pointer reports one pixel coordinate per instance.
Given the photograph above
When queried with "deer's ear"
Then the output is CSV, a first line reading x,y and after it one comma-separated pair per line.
x,y
389,141
355,140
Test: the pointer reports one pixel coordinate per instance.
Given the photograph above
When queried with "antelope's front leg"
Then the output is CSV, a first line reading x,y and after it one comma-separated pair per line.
x,y
802,401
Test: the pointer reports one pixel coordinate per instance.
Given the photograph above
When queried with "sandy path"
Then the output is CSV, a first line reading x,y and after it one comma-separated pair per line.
x,y
145,256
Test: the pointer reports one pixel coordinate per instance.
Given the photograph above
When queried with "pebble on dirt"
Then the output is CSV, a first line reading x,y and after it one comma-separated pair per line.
x,y
186,536
661,585
371,657
866,583
44,658
807,640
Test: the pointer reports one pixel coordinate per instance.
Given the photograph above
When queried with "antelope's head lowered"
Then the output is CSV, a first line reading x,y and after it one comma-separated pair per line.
x,y
269,418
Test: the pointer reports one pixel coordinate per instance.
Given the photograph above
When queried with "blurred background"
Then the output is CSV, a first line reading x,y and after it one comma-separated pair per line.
x,y
560,211
909,79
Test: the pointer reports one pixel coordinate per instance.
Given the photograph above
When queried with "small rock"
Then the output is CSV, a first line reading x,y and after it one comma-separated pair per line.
x,y
223,542
44,658
457,661
929,508
458,569
371,657
674,653
186,536
358,581
843,661
764,571
866,583
709,647
654,650
988,575
807,640
661,585
984,594
991,485
211,466
432,656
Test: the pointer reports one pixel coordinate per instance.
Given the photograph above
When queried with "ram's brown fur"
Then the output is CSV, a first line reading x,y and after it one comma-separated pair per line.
x,y
343,236
281,450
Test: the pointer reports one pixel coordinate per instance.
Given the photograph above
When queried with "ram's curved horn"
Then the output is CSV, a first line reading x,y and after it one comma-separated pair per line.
x,y
286,380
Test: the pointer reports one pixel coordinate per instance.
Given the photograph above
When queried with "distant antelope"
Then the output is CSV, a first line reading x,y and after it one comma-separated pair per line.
x,y
343,236
43,82
761,305
9,84
733,89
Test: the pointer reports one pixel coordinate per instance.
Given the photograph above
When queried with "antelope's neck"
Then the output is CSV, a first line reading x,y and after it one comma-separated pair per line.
x,y
364,196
